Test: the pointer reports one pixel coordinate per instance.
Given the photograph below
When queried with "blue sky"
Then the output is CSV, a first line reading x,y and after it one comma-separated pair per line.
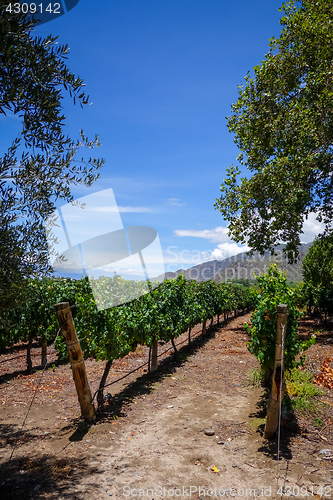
x,y
161,76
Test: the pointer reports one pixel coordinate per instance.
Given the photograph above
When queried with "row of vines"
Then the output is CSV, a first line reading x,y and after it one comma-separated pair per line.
x,y
162,315
273,290
166,312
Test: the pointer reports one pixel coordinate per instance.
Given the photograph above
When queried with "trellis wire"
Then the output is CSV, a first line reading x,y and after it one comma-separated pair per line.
x,y
33,397
98,390
135,369
279,425
39,381
16,357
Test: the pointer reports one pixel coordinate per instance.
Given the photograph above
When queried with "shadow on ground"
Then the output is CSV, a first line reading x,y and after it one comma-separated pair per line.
x,y
6,377
144,384
288,430
25,478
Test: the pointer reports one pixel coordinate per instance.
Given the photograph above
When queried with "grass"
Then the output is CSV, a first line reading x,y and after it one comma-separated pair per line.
x,y
255,377
257,422
302,393
318,422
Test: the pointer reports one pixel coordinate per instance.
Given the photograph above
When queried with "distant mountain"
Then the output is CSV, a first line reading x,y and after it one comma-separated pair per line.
x,y
244,266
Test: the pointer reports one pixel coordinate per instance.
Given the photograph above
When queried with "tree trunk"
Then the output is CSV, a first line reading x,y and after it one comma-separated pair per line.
x,y
218,320
174,346
189,335
100,394
211,323
278,385
66,323
204,327
44,351
29,362
225,317
154,362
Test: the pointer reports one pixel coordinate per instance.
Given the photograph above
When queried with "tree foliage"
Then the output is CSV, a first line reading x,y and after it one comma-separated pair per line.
x,y
317,289
283,126
317,265
40,166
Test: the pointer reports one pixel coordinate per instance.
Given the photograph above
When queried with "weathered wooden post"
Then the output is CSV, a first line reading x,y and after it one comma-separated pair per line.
x,y
275,396
44,351
29,362
66,323
154,363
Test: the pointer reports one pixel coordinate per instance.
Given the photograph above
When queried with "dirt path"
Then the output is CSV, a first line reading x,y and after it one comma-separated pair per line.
x,y
152,437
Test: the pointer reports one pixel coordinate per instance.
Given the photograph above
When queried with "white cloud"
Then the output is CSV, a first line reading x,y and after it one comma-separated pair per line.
x,y
191,257
217,235
94,213
122,209
311,228
175,202
225,250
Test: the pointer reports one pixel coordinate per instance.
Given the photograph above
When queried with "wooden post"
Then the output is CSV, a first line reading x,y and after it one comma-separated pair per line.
x,y
154,363
189,335
275,397
204,327
29,362
44,351
149,359
66,323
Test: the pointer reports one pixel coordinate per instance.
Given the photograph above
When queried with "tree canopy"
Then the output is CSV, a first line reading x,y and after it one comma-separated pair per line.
x,y
283,126
317,289
40,166
317,264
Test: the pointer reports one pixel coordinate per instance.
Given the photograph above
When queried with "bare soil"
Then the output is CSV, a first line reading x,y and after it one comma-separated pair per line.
x,y
151,440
